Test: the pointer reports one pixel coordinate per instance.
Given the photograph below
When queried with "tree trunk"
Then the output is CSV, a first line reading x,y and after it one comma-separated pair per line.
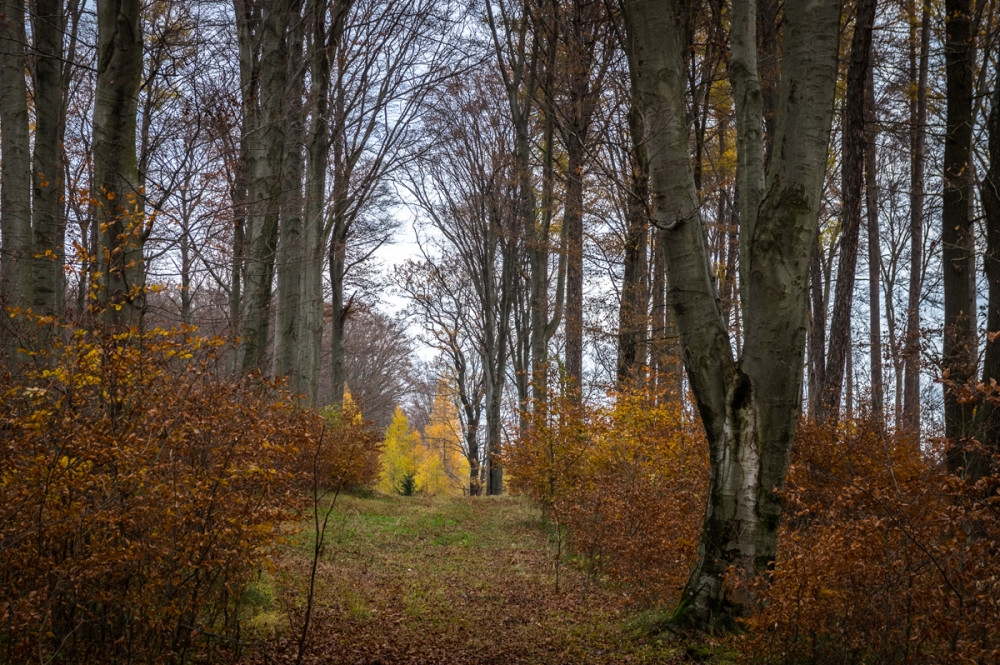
x,y
918,140
632,319
339,313
49,221
852,177
291,248
817,333
325,44
957,237
119,203
573,220
585,75
749,408
15,207
987,426
874,252
265,184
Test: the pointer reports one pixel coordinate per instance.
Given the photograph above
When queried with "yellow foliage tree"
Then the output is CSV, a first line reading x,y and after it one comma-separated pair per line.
x,y
446,468
399,457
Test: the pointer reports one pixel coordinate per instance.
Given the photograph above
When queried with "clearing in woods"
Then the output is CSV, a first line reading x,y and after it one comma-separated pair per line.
x,y
443,580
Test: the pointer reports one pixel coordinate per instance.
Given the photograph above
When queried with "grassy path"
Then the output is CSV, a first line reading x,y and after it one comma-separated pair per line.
x,y
418,580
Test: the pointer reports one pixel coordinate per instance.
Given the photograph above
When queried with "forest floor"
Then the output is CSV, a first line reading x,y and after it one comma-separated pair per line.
x,y
446,580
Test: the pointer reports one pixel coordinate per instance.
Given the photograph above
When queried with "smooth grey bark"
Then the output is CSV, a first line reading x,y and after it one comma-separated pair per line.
x,y
957,232
852,189
119,207
48,216
325,44
16,281
290,262
266,165
918,139
749,407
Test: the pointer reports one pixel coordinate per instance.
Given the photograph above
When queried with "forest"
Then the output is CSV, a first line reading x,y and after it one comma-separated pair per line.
x,y
500,331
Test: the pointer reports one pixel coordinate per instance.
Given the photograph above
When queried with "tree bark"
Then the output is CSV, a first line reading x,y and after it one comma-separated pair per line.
x,y
749,408
49,221
957,237
16,283
325,45
852,187
121,273
918,140
265,184
291,248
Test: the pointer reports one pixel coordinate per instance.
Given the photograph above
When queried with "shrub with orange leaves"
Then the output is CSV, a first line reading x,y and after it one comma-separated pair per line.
x,y
141,488
884,557
627,481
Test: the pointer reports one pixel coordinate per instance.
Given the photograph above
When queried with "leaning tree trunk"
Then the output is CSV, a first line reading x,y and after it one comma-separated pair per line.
x,y
121,273
15,206
958,260
749,408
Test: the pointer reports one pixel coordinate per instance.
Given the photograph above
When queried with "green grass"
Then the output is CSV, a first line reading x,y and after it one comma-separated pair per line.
x,y
418,579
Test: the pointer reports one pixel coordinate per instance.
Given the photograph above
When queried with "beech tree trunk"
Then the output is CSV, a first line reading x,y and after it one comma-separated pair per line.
x,y
325,46
918,139
265,181
749,407
291,248
852,188
957,234
16,281
121,273
48,219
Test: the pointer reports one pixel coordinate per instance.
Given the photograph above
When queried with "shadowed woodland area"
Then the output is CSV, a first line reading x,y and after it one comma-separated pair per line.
x,y
501,331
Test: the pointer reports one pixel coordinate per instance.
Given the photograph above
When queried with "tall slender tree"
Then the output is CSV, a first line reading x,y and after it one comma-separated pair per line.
x,y
263,34
957,232
853,180
16,281
49,24
117,194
